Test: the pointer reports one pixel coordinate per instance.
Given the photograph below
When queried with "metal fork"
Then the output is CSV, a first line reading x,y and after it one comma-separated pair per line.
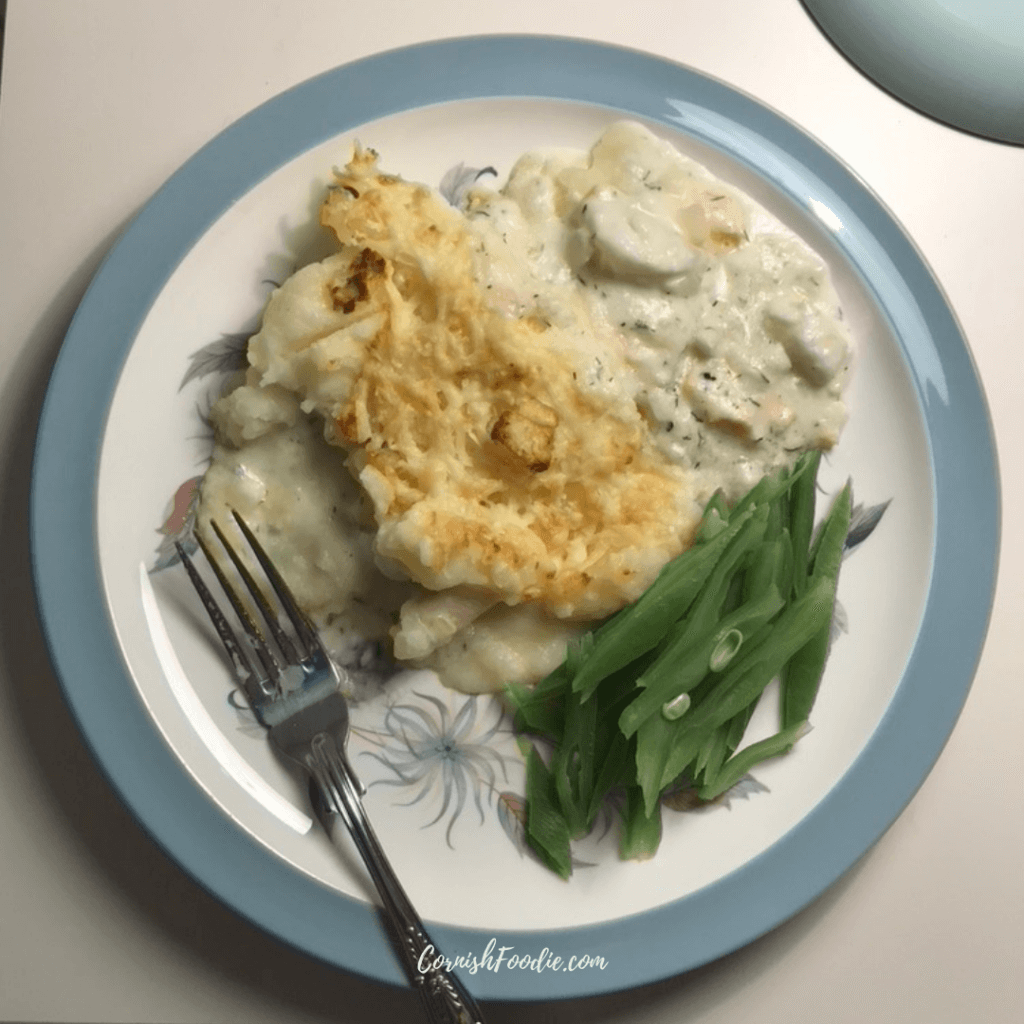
x,y
294,689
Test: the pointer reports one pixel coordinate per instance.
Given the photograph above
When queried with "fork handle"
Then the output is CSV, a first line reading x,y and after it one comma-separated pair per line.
x,y
444,997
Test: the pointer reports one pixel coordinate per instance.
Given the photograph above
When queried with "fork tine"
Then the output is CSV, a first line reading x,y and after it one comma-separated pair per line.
x,y
256,638
281,638
303,629
258,687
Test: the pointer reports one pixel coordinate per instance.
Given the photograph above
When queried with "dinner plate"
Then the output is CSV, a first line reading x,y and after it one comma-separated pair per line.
x,y
121,441
959,61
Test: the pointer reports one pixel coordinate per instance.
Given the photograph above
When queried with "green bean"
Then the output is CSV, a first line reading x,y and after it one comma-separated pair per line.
x,y
801,677
773,486
718,505
738,726
828,554
614,755
577,653
747,678
739,764
714,520
540,715
717,592
656,735
777,513
677,671
819,534
616,769
801,521
761,571
785,567
707,606
711,680
713,752
641,827
666,688
653,747
734,592
725,739
639,627
540,709
573,763
657,763
773,565
545,826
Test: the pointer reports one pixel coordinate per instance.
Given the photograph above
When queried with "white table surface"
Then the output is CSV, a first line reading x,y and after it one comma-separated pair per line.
x,y
101,101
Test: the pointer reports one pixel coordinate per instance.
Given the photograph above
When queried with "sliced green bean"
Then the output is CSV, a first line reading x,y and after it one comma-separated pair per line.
x,y
738,726
778,515
785,566
828,554
773,566
721,588
641,827
673,673
707,606
774,485
614,755
617,769
801,520
739,764
714,520
747,678
757,577
546,830
712,753
639,627
538,714
819,533
653,748
724,740
718,505
573,764
801,677
540,709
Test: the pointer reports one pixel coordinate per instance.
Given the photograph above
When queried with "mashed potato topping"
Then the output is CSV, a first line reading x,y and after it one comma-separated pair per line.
x,y
535,395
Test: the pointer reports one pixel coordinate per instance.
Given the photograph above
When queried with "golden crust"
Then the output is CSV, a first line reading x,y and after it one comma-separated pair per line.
x,y
486,460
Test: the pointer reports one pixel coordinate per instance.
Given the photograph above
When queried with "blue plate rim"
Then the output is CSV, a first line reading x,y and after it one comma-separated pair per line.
x,y
648,946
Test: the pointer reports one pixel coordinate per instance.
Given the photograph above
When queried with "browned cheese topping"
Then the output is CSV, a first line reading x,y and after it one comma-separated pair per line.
x,y
487,462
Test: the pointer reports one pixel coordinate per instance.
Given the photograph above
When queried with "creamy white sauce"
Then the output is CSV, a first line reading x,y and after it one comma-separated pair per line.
x,y
727,323
671,289
292,487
